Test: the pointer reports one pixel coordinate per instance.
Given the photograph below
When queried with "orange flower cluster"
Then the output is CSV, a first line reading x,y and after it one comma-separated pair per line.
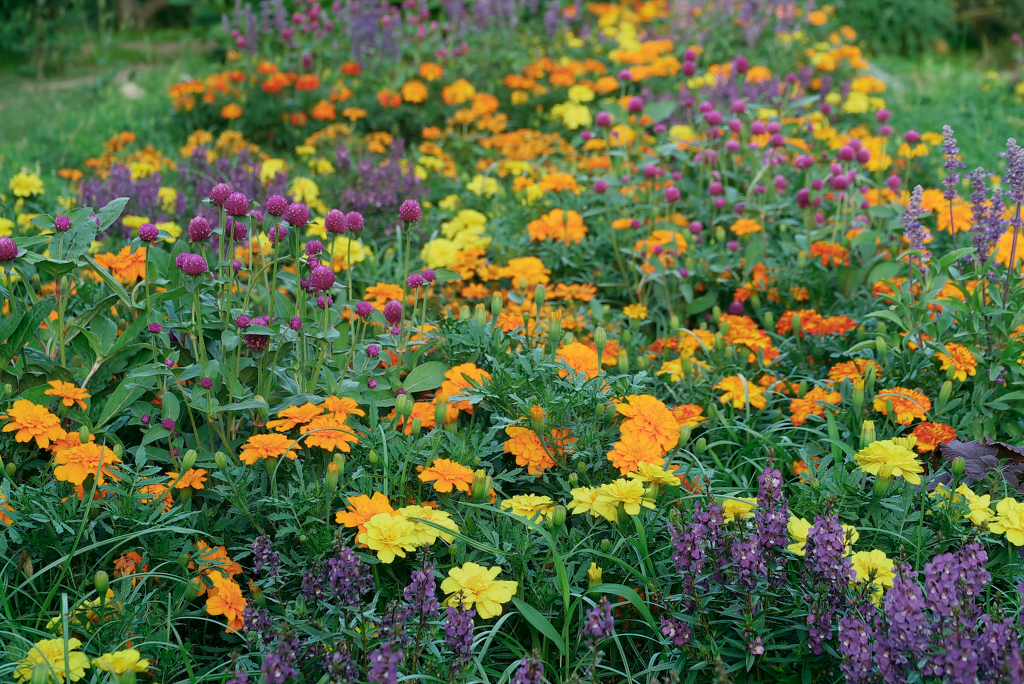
x,y
649,432
907,405
830,253
813,323
533,451
743,331
558,226
810,404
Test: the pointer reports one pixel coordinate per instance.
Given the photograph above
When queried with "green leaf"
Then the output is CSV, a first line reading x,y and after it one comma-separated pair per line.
x,y
427,376
111,282
542,624
56,267
110,213
247,405
130,334
753,254
889,316
630,595
27,329
446,274
702,304
127,392
659,111
172,407
885,270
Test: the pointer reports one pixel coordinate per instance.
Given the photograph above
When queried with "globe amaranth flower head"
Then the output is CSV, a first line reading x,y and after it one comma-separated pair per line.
x,y
257,342
321,278
236,229
237,204
410,211
334,222
354,221
198,229
414,281
276,205
155,328
167,423
297,214
393,312
219,194
192,264
277,233
295,323
62,224
429,275
8,249
243,321
149,233
364,309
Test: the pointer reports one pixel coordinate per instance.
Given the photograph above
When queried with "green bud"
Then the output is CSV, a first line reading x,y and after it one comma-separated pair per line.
x,y
8,388
27,568
581,467
10,469
303,539
684,434
221,459
880,346
857,398
957,466
417,425
261,410
606,545
643,361
373,457
889,411
600,339
496,304
882,328
673,322
720,233
801,259
600,409
538,295
795,324
883,481
118,450
626,336
193,588
555,330
257,593
862,333
332,477
623,361
440,410
867,433
464,314
403,405
755,302
700,446
951,372
558,518
769,320
480,489
102,582
183,561
574,480
621,515
945,392
480,314
339,460
730,352
189,460
127,677
40,674
83,434
716,313
801,388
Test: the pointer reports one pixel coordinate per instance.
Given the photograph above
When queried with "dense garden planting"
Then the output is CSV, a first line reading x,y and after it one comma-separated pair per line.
x,y
531,343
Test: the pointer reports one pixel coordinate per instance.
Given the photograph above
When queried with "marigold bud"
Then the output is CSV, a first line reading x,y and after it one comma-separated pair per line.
x,y
882,328
794,323
957,466
594,575
101,580
193,588
643,362
127,677
626,335
184,560
769,320
716,313
558,518
574,480
221,459
801,388
945,392
189,460
858,395
83,434
10,469
606,545
440,410
480,314
339,460
867,433
464,314
600,339
880,345
481,486
403,405
538,295
700,446
261,410
496,304
623,361
373,457
416,427
684,434
332,477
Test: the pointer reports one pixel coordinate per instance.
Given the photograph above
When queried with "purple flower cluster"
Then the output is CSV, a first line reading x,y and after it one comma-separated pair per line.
x,y
936,631
530,671
951,164
256,342
694,543
384,664
827,573
599,623
770,520
348,577
914,232
191,264
987,222
421,593
377,190
458,635
264,558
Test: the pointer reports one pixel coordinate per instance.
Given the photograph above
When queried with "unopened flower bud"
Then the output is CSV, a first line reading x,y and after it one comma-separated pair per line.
x,y
574,480
464,314
623,361
867,433
606,545
339,461
700,446
184,560
801,389
643,361
880,345
373,457
769,320
626,335
127,677
221,459
684,434
600,340
951,372
480,314
957,466
496,303
481,486
119,450
538,295
403,405
883,481
594,573
416,426
882,328
716,313
558,518
795,324
193,588
858,395
440,410
101,580
945,392
332,477
189,460
261,410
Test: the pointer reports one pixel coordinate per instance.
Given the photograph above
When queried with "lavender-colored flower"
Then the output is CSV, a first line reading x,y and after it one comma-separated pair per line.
x,y
257,622
297,214
277,668
155,328
458,635
599,623
676,631
748,562
348,577
951,164
198,229
1014,176
855,647
530,671
240,677
384,664
264,558
237,204
167,423
827,573
276,205
219,194
914,232
421,593
393,312
364,309
694,543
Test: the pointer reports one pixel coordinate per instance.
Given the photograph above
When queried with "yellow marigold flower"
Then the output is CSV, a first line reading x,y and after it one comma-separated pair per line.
x,y
632,494
69,393
26,184
908,405
33,421
426,534
77,463
584,500
192,479
887,452
389,535
473,585
529,506
799,528
979,507
51,652
446,475
414,91
737,391
120,662
875,568
656,474
330,433
961,358
1009,520
635,312
738,507
289,417
266,446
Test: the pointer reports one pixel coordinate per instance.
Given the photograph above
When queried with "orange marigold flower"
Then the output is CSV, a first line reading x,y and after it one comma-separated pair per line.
x,y
74,465
193,478
231,111
69,393
930,435
292,416
737,390
908,405
414,92
351,69
361,508
459,378
126,564
628,454
342,407
688,414
447,474
831,254
649,418
558,226
580,358
458,92
745,226
329,432
809,404
266,446
852,370
810,320
835,325
226,599
33,421
324,111
430,71
156,491
960,358
528,450
307,82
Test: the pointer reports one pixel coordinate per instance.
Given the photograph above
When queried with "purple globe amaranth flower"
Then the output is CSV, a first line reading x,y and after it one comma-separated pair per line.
x,y
410,211
603,119
429,275
732,245
295,323
276,205
167,423
354,221
145,419
155,328
191,264
324,302
198,229
364,309
219,194
206,383
372,350
297,214
393,312
414,281
237,204
314,247
169,363
257,342
334,222
736,308
321,278
237,230
372,384
243,321
635,105
600,186
672,193
149,233
62,224
8,249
